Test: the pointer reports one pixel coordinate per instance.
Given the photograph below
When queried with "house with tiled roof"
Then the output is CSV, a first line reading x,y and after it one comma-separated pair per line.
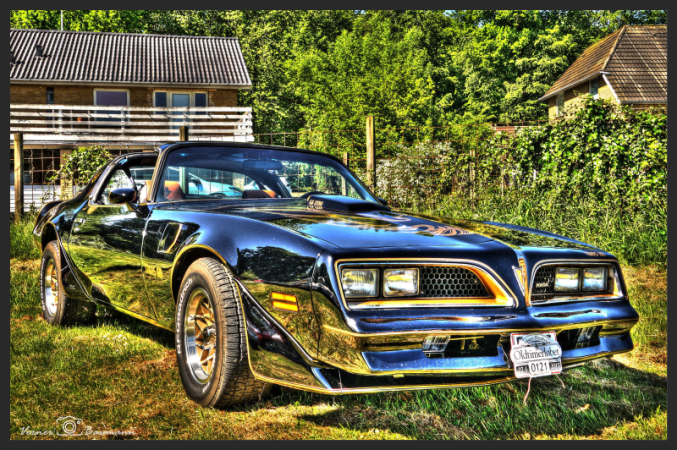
x,y
127,92
628,67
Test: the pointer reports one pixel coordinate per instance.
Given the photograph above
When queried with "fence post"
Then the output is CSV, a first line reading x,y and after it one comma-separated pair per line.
x,y
18,176
66,185
344,184
371,154
183,134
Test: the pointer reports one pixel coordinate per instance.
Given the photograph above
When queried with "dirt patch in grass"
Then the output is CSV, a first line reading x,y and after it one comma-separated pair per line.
x,y
376,420
24,266
652,277
167,362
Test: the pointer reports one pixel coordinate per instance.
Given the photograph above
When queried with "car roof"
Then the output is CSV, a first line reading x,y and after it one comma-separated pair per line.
x,y
167,147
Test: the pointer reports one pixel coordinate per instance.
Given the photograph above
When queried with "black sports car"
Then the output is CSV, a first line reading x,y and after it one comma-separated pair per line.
x,y
278,266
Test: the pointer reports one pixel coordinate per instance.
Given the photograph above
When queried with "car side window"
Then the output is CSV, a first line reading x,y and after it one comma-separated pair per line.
x,y
119,180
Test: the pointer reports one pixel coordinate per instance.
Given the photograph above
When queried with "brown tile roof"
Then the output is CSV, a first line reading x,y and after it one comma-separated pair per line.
x,y
635,59
83,57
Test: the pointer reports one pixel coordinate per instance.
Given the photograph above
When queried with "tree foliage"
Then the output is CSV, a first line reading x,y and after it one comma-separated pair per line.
x,y
324,69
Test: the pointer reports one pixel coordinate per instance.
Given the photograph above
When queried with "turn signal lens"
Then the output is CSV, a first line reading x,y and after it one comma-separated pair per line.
x,y
284,302
567,279
360,283
400,282
594,279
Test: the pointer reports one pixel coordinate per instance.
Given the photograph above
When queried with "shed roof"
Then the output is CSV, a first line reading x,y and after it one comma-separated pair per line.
x,y
634,60
85,57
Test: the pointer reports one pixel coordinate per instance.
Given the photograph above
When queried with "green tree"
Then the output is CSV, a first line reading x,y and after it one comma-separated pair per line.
x,y
370,70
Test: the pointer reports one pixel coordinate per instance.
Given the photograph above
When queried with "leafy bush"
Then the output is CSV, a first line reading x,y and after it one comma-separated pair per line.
x,y
79,168
596,149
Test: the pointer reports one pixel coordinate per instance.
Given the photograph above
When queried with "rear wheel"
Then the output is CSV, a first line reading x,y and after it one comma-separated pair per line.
x,y
57,308
211,345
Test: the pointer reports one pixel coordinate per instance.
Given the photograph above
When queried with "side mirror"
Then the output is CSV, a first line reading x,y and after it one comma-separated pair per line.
x,y
382,201
121,196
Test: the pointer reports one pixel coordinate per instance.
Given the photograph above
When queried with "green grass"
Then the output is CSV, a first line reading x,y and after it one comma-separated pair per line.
x,y
635,238
121,374
21,240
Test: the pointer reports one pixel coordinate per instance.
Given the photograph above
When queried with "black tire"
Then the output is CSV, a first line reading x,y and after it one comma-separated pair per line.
x,y
57,308
228,381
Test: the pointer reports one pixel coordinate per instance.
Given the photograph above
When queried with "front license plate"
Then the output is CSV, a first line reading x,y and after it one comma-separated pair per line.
x,y
535,354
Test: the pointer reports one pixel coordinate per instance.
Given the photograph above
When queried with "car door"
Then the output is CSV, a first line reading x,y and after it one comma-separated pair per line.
x,y
105,245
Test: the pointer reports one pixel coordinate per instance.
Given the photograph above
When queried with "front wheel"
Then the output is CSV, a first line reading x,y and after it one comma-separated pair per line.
x,y
211,345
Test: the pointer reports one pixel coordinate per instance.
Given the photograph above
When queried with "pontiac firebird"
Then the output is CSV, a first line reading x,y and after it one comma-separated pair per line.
x,y
279,266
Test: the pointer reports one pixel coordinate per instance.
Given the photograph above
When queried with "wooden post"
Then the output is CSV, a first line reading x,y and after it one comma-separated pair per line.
x,y
344,184
66,184
371,154
18,176
183,134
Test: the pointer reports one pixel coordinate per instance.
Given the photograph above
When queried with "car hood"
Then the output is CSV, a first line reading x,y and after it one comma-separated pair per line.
x,y
379,227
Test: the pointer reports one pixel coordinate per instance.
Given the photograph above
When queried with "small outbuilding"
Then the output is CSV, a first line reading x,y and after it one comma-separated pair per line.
x,y
629,67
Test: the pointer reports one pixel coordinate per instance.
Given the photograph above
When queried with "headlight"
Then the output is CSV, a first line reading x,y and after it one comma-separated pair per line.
x,y
594,279
359,283
567,279
400,282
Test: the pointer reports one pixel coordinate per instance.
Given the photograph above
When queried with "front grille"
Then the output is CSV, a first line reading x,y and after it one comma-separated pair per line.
x,y
450,282
544,281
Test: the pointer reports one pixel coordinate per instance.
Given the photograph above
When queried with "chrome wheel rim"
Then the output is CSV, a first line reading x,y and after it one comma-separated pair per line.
x,y
51,284
200,336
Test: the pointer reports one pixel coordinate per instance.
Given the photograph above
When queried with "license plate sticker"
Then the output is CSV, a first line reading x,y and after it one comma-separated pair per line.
x,y
535,354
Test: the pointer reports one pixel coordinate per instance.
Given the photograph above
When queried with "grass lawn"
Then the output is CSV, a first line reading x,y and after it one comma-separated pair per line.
x,y
121,374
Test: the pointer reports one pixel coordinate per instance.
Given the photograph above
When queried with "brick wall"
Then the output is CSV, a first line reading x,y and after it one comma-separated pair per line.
x,y
27,94
223,97
84,95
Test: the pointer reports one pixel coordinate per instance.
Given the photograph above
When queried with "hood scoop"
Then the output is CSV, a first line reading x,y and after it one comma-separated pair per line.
x,y
343,204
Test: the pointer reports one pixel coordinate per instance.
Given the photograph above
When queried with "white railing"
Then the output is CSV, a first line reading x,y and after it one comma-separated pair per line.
x,y
126,124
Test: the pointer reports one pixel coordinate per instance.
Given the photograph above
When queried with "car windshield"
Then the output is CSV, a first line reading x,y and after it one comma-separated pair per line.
x,y
227,173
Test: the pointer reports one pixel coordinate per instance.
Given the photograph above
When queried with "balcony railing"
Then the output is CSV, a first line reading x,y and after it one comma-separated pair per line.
x,y
126,124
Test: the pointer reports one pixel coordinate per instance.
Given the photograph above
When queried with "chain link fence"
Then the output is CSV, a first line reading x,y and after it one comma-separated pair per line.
x,y
43,159
414,167
417,166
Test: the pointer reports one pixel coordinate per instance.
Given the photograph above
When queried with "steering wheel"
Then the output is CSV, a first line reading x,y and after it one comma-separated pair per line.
x,y
304,196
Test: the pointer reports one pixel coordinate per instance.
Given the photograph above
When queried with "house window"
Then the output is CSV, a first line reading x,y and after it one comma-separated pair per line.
x,y
110,97
594,88
50,96
180,99
168,99
560,104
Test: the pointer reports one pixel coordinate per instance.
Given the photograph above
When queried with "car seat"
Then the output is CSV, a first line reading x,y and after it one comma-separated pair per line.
x,y
173,191
258,194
